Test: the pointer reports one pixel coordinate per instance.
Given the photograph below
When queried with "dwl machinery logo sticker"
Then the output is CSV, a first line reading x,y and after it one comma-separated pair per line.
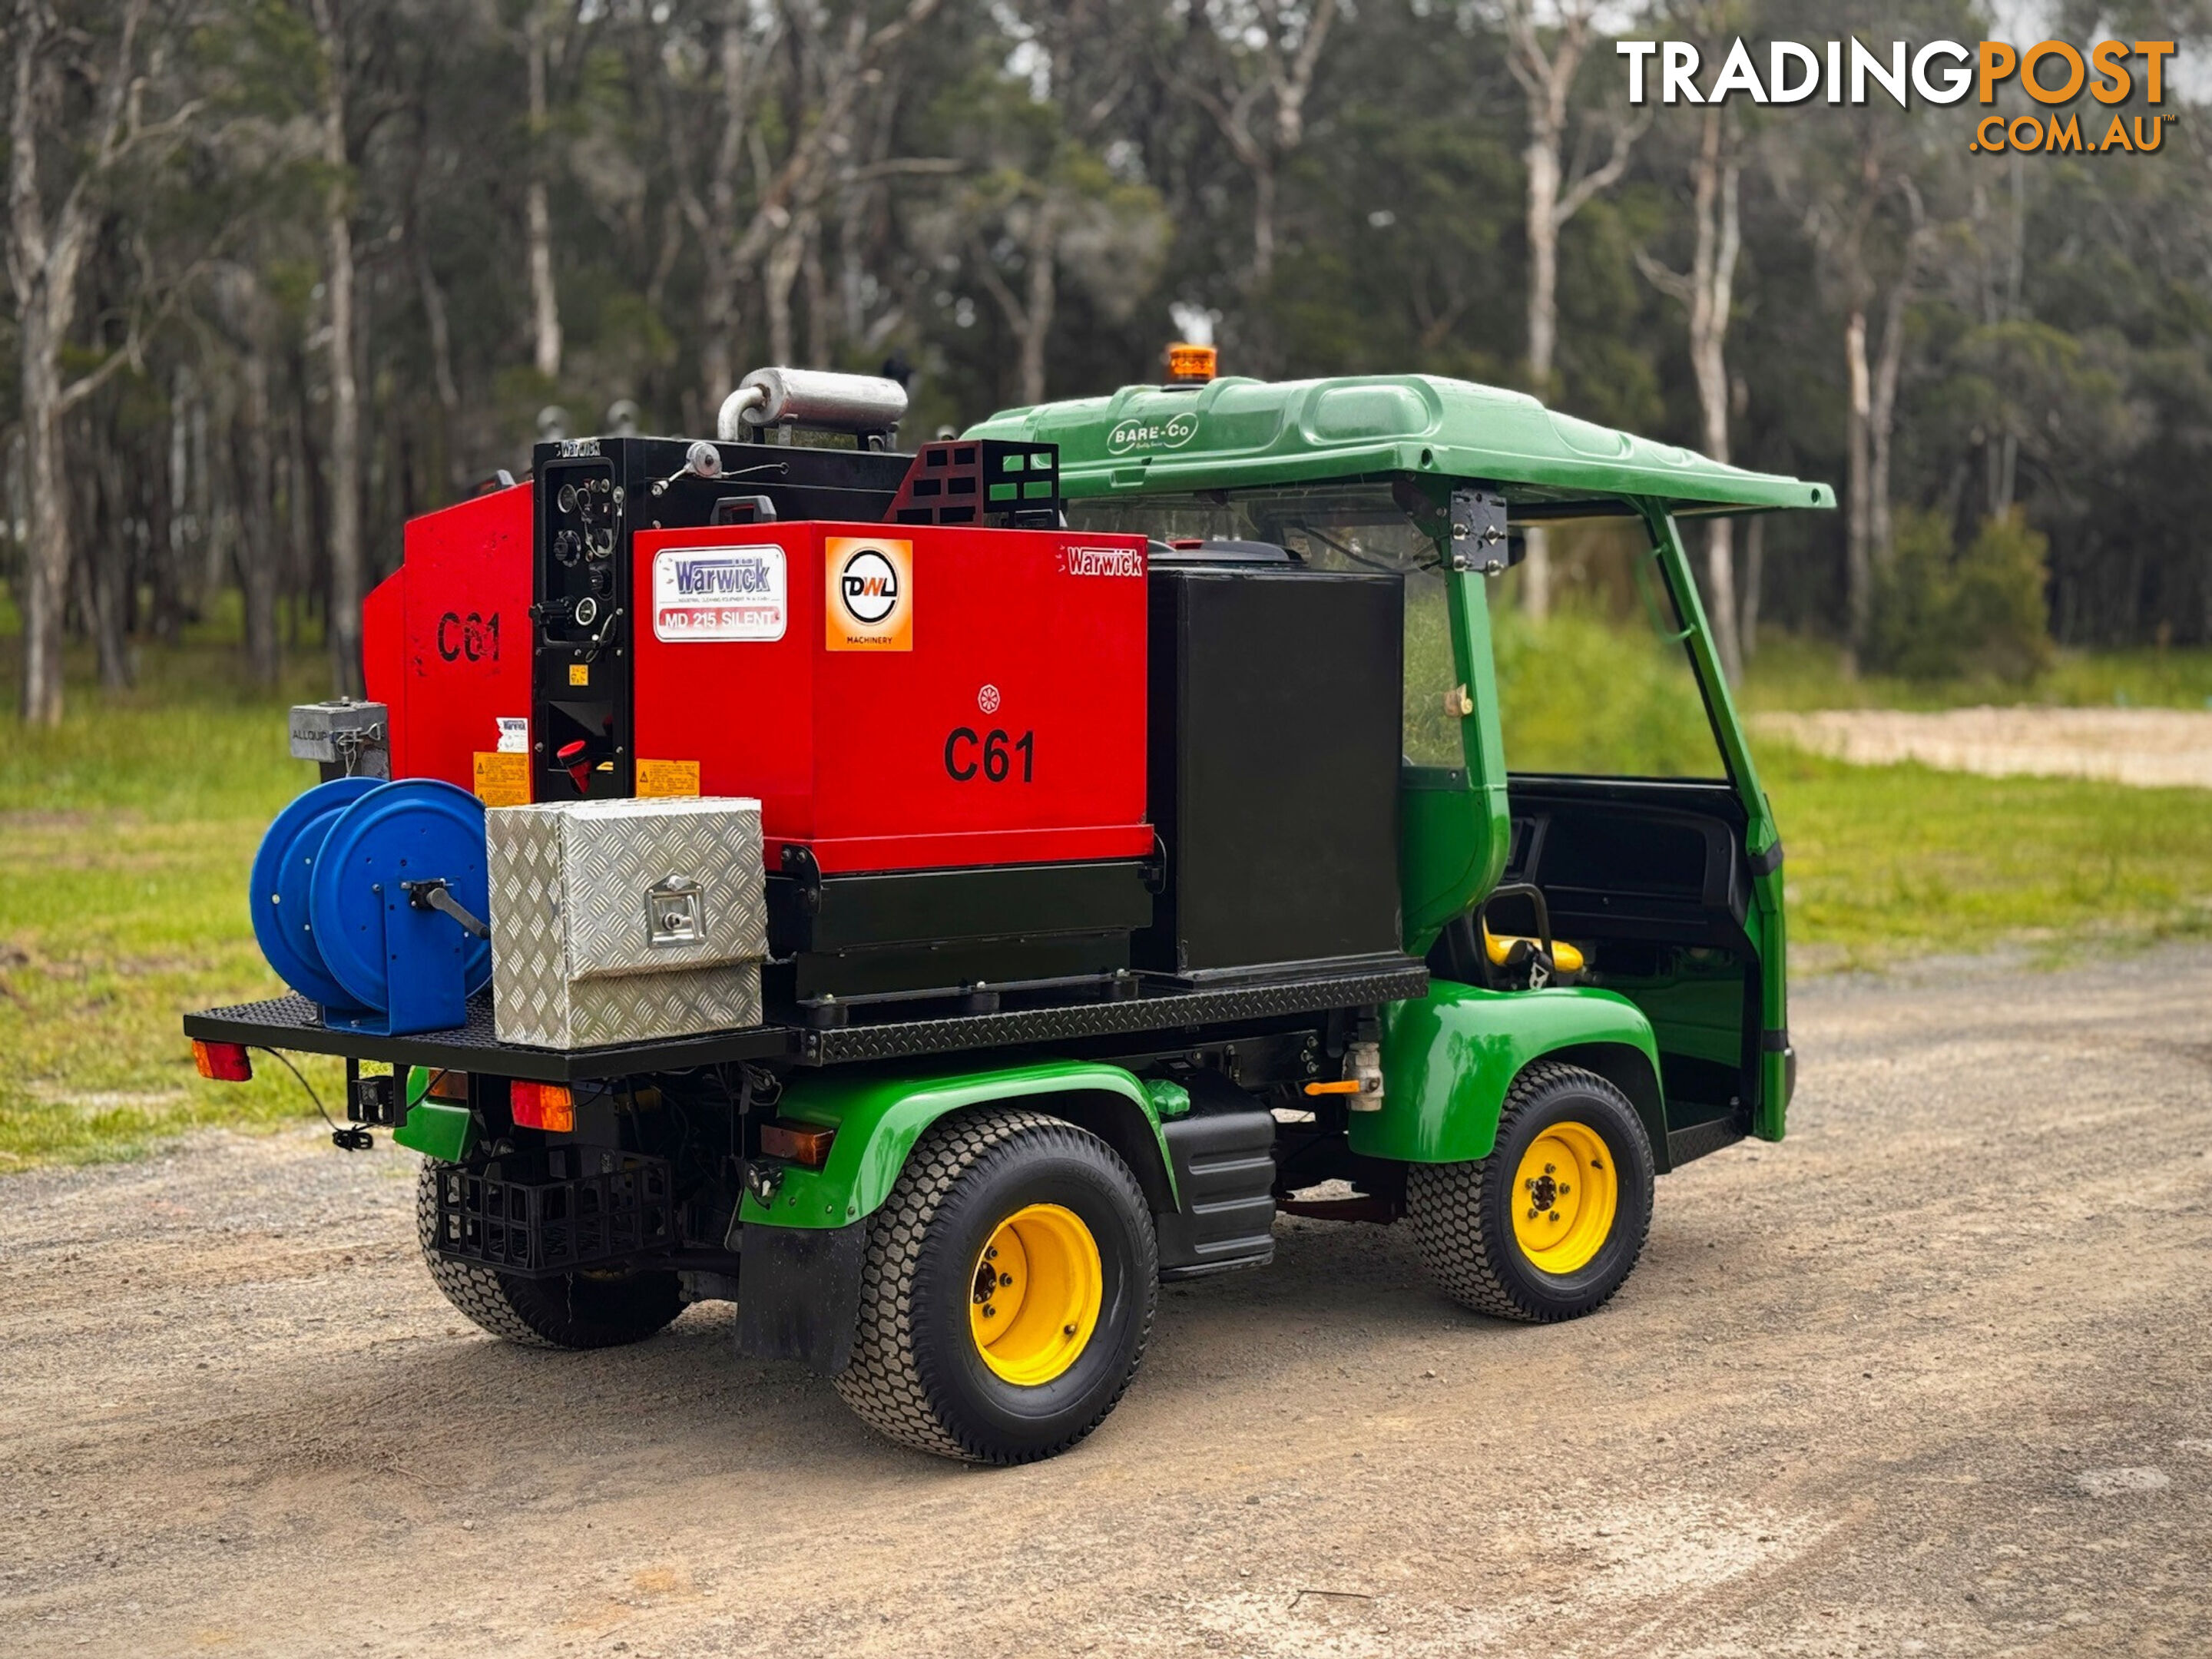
x,y
870,603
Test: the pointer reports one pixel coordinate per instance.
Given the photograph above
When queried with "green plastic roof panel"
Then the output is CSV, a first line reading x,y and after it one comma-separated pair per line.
x,y
1233,433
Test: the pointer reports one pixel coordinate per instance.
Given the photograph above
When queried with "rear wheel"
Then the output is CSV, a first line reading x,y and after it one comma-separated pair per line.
x,y
1008,1291
574,1311
1549,1225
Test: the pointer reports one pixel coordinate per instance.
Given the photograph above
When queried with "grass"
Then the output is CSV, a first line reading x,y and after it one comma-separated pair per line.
x,y
130,830
123,905
1796,674
1886,863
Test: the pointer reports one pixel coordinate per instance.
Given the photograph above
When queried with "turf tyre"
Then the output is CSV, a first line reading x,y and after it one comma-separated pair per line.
x,y
916,1374
576,1310
1462,1213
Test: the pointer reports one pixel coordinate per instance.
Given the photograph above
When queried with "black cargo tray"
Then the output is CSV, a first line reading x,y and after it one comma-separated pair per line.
x,y
295,1024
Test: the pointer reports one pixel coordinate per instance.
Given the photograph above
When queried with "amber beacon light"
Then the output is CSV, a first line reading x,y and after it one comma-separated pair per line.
x,y
1190,365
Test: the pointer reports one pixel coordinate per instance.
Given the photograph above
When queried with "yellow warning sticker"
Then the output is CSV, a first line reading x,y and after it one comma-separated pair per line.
x,y
503,780
667,778
580,673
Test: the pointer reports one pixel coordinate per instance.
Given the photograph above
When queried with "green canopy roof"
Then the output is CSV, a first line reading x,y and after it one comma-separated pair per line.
x,y
1235,432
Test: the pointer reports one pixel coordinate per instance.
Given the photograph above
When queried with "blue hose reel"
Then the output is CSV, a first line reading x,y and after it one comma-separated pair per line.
x,y
368,900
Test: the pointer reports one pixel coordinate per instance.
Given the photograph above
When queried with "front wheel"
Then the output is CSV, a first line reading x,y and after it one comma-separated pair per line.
x,y
1549,1225
572,1310
1008,1291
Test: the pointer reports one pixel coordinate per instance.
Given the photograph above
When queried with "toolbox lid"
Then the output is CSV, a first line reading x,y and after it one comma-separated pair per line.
x,y
1237,433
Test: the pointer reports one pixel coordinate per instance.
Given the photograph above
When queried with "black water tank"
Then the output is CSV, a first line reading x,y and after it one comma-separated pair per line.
x,y
1273,780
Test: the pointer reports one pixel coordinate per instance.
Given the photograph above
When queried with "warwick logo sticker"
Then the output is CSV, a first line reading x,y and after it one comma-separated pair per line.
x,y
869,605
719,593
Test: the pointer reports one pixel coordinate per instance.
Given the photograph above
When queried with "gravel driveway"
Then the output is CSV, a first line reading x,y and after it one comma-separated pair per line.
x,y
1932,1377
2151,748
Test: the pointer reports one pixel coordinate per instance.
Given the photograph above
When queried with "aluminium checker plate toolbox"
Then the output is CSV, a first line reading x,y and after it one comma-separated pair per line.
x,y
625,921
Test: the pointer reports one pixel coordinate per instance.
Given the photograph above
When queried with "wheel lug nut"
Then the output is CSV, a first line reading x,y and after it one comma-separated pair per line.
x,y
990,1253
989,1312
1549,1168
1006,1279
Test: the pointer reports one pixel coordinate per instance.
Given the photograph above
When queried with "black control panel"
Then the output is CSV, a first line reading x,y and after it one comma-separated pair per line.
x,y
592,496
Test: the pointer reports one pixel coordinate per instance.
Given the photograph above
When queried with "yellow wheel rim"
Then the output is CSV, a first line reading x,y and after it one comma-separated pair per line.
x,y
1033,1299
1564,1195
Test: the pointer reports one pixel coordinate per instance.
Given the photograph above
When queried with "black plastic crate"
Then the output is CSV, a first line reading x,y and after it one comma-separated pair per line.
x,y
586,1208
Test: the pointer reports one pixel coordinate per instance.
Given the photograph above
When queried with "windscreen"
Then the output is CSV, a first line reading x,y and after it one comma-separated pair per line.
x,y
1341,526
1602,685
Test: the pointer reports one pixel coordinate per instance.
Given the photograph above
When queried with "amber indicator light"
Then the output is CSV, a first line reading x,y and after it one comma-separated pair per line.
x,y
806,1145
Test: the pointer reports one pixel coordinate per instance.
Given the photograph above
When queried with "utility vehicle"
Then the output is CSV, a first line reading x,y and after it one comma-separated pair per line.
x,y
1137,859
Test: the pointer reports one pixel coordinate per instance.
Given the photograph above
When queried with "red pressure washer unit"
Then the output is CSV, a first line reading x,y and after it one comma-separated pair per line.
x,y
936,692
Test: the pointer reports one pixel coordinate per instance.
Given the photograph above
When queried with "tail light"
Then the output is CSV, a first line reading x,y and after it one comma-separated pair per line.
x,y
806,1145
223,1063
450,1086
542,1106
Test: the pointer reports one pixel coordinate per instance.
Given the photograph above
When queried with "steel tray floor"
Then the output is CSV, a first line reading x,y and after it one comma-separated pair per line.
x,y
294,1023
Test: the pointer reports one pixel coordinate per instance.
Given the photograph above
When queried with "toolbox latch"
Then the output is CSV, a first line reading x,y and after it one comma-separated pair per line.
x,y
675,913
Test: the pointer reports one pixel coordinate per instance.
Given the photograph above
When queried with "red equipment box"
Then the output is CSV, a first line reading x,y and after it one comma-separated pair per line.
x,y
899,697
446,639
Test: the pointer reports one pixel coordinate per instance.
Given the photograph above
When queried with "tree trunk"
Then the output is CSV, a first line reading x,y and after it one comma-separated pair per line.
x,y
1263,227
1542,159
254,484
207,506
309,580
43,262
1037,305
106,557
1714,177
815,279
344,626
1754,577
1881,420
1881,400
46,553
165,554
782,273
715,218
1720,597
442,368
544,302
1858,573
717,358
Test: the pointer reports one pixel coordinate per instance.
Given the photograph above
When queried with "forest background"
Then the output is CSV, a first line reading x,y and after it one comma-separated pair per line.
x,y
287,272
282,274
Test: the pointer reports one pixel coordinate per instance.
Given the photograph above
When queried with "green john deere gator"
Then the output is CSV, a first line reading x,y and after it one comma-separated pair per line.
x,y
1329,954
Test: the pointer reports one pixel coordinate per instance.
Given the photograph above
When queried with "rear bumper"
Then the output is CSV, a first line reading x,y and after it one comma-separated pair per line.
x,y
295,1024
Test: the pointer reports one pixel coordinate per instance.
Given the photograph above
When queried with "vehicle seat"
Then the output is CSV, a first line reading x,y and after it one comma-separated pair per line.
x,y
1514,949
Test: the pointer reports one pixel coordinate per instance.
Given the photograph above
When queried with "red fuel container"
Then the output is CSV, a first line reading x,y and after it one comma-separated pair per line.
x,y
899,697
447,637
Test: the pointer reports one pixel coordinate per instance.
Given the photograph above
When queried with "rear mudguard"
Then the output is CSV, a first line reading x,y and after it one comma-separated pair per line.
x,y
878,1118
1449,1058
802,1253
